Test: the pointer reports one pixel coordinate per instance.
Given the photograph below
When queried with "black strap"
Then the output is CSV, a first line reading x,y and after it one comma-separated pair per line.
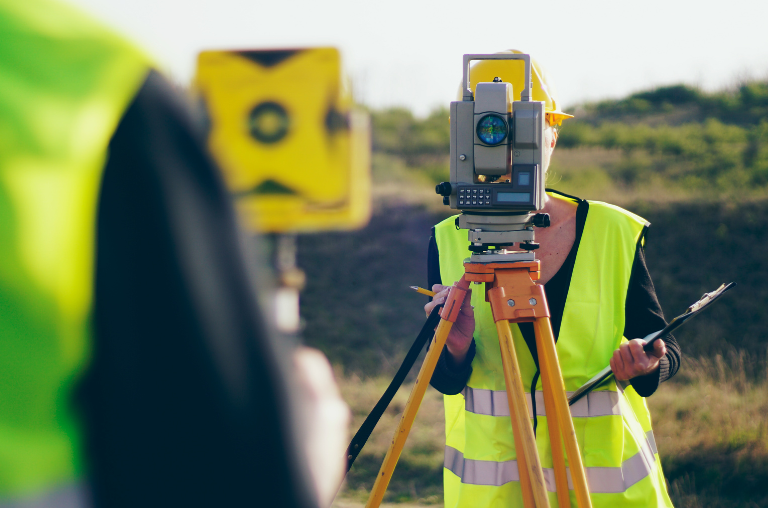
x,y
378,410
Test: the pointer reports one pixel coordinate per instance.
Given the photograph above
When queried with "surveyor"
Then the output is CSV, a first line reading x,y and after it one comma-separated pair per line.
x,y
123,274
602,301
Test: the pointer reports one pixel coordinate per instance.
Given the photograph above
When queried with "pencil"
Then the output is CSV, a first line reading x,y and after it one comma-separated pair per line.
x,y
423,291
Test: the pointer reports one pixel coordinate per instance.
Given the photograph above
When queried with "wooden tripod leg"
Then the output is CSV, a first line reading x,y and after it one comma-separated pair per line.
x,y
552,374
411,408
525,442
522,463
555,439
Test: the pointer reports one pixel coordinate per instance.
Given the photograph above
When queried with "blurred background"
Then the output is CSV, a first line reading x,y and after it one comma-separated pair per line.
x,y
671,105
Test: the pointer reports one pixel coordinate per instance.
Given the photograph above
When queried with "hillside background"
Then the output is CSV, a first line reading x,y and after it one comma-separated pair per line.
x,y
695,164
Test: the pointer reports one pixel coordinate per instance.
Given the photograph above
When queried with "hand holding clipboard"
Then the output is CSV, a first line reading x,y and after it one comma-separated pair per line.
x,y
697,307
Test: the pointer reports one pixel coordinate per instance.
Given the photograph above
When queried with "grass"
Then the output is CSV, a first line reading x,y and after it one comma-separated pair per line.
x,y
418,478
710,423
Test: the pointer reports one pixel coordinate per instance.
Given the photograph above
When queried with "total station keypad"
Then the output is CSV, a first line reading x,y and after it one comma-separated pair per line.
x,y
474,196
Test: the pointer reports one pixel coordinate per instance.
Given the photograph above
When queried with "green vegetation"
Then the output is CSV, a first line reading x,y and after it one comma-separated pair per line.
x,y
676,139
746,104
420,146
701,155
397,132
708,157
695,164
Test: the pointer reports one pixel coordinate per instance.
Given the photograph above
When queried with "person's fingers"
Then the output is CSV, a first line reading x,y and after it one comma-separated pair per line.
x,y
617,365
439,297
636,361
641,359
626,356
442,294
429,306
659,348
659,351
627,361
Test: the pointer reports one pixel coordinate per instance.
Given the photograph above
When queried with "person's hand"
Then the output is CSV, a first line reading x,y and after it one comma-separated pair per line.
x,y
460,337
329,417
630,360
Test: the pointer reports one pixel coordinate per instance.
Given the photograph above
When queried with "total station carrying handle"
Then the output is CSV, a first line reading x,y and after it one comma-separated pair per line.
x,y
469,57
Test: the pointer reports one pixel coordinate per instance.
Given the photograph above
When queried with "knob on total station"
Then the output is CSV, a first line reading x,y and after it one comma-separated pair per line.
x,y
541,220
444,189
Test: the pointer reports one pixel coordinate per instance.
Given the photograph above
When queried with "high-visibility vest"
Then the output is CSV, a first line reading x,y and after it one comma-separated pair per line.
x,y
64,85
613,425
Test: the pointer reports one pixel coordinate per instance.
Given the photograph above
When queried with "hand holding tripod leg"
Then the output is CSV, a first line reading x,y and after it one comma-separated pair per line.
x,y
460,337
449,315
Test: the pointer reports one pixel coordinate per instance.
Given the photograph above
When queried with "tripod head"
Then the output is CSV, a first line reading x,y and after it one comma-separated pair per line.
x,y
491,232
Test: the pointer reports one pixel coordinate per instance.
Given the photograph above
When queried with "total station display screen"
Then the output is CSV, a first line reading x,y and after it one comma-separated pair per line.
x,y
513,197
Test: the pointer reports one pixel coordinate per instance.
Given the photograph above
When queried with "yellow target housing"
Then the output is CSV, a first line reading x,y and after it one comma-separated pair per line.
x,y
294,151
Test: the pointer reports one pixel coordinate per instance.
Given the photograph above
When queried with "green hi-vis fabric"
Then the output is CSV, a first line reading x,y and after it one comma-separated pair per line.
x,y
613,425
64,84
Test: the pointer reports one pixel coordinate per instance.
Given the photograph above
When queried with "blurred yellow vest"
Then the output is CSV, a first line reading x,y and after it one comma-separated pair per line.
x,y
613,425
64,84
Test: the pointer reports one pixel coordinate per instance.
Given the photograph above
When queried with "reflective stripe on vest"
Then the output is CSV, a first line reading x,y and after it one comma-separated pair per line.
x,y
600,480
65,82
494,403
613,426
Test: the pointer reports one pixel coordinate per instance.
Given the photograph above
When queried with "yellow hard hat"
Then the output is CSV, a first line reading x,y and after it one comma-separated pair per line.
x,y
513,71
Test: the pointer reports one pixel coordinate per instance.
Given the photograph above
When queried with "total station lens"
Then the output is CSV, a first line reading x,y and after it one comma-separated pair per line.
x,y
491,129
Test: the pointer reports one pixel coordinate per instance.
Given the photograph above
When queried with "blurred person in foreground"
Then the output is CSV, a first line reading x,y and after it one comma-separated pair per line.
x,y
125,282
602,301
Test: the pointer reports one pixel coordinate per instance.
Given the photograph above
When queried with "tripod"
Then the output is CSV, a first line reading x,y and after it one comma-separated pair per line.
x,y
514,297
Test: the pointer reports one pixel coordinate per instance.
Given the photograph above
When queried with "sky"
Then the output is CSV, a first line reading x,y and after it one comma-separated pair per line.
x,y
409,52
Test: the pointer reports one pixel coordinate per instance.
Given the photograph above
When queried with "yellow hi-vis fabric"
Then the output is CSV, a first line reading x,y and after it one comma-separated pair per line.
x,y
64,85
613,425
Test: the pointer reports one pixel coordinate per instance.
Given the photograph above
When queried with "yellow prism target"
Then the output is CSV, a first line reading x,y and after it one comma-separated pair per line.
x,y
294,152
